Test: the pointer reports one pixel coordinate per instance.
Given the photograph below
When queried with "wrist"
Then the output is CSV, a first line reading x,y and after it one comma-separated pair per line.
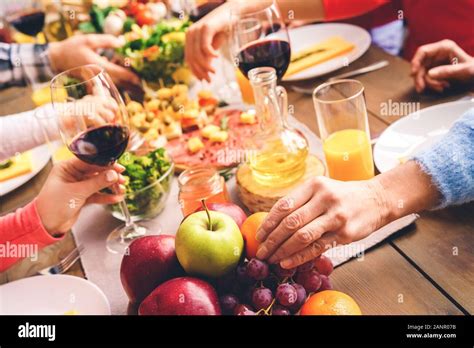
x,y
47,219
383,202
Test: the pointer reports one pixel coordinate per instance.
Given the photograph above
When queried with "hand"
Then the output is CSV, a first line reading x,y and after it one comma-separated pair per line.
x,y
439,64
204,38
318,215
81,50
72,184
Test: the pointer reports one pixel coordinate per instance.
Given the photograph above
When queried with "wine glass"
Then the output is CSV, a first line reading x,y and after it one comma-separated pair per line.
x,y
27,16
259,37
93,123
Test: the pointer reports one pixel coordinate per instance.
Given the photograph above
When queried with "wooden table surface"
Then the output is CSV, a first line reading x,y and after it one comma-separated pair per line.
x,y
427,268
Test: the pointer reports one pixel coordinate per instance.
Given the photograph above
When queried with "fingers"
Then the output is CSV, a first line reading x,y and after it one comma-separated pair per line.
x,y
119,74
96,183
303,238
459,72
288,227
283,208
328,240
96,41
419,78
103,198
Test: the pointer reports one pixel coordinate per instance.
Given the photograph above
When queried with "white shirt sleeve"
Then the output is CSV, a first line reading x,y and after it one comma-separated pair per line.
x,y
23,131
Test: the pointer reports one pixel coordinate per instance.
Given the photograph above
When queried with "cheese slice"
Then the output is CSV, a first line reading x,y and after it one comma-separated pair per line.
x,y
318,53
21,165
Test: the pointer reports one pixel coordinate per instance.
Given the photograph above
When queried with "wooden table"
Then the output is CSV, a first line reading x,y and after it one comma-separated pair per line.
x,y
427,268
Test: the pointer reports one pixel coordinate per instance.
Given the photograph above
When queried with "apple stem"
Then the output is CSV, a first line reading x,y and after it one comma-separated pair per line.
x,y
203,201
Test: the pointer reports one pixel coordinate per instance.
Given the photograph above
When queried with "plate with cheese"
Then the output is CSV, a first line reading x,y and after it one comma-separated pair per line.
x,y
319,49
19,169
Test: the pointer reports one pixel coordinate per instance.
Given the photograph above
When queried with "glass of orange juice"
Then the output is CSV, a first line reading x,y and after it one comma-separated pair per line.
x,y
344,129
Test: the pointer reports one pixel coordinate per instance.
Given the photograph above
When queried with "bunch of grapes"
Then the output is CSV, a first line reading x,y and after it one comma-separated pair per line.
x,y
256,288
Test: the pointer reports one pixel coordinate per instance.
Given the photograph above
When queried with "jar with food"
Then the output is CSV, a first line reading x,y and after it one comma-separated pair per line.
x,y
198,183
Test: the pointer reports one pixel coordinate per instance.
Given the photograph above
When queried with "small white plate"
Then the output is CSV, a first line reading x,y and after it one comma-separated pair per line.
x,y
52,295
416,132
39,156
303,37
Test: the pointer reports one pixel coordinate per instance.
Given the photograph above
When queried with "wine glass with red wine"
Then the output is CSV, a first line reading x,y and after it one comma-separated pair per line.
x,y
93,123
27,16
259,37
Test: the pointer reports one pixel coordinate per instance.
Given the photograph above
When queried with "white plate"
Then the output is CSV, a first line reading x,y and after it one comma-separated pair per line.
x,y
301,38
52,295
39,156
416,132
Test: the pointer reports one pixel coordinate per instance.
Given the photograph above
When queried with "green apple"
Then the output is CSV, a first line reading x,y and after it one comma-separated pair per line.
x,y
209,243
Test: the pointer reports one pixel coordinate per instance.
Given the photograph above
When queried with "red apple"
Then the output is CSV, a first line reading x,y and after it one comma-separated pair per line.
x,y
182,296
150,261
231,209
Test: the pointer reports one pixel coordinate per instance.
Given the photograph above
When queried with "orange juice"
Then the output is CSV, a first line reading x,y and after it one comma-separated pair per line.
x,y
349,155
245,88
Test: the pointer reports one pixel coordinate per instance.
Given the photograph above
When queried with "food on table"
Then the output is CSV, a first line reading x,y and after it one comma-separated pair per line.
x,y
224,148
150,261
182,296
248,117
325,283
231,209
16,166
318,53
209,243
349,155
249,230
310,280
198,183
156,52
330,302
147,183
323,265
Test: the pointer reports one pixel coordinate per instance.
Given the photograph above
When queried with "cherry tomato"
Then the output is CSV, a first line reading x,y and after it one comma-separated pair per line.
x,y
203,102
144,18
134,8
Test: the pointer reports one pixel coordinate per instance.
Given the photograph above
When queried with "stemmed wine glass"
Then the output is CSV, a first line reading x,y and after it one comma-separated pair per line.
x,y
259,37
93,123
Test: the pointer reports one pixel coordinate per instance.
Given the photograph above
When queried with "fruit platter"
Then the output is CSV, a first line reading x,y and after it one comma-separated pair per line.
x,y
210,268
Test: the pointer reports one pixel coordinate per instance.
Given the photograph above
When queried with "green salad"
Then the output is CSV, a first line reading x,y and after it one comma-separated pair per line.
x,y
156,52
147,181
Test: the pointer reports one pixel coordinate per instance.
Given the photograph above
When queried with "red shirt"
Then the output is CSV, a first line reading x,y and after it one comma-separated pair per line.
x,y
427,20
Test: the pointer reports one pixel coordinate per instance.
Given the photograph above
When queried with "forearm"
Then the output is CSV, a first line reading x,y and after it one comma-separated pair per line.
x,y
404,190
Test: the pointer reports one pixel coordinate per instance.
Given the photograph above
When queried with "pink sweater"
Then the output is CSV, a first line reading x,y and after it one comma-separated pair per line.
x,y
22,235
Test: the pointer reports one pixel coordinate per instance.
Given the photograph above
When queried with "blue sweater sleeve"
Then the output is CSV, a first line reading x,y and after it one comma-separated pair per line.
x,y
450,163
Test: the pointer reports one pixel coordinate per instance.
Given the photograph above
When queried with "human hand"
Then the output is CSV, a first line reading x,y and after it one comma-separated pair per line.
x,y
204,38
318,215
72,184
439,64
82,49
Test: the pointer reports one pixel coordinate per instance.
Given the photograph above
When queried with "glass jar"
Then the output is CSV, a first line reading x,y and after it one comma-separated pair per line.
x,y
198,183
279,152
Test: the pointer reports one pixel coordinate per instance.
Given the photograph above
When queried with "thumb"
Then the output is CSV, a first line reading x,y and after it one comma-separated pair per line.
x,y
98,182
450,72
96,41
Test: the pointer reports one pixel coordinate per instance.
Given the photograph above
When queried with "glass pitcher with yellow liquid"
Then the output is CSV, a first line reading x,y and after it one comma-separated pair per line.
x,y
279,152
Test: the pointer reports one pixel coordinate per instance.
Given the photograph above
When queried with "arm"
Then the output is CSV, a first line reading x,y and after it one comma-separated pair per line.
x,y
323,212
21,64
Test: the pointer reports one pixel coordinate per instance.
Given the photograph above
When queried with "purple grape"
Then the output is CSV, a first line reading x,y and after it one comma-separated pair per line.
x,y
225,283
300,298
257,270
311,280
243,309
281,272
325,283
261,298
241,274
280,310
271,283
323,265
286,294
228,303
305,267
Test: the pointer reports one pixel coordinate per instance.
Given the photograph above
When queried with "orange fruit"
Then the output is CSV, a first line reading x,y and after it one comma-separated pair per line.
x,y
330,302
249,230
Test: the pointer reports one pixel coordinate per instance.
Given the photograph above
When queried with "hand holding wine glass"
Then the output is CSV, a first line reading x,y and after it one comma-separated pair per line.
x,y
94,124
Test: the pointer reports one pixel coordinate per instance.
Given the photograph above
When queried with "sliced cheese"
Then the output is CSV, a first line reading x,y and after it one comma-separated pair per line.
x,y
318,53
207,131
21,165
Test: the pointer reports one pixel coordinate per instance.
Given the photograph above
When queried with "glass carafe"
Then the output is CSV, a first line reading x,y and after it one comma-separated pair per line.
x,y
279,151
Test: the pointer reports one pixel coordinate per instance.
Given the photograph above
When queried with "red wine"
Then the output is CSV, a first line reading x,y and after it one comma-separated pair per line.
x,y
272,53
101,146
204,9
30,23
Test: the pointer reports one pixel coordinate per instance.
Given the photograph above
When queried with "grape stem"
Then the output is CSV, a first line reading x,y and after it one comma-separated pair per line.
x,y
203,202
266,310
